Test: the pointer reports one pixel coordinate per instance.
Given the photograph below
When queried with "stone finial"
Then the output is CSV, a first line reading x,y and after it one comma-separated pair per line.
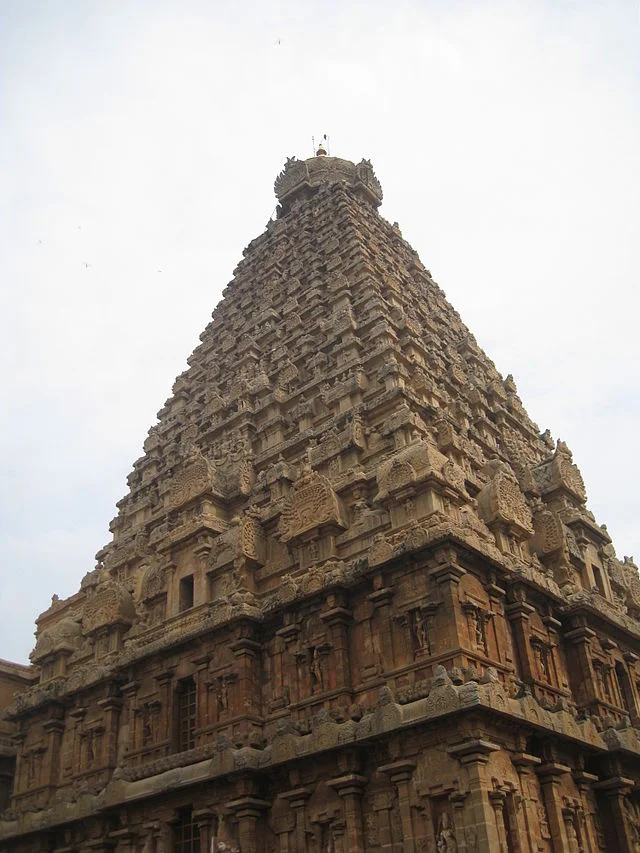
x,y
299,177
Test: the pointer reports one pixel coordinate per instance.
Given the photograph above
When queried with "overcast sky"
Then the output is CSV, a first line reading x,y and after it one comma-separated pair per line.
x,y
139,142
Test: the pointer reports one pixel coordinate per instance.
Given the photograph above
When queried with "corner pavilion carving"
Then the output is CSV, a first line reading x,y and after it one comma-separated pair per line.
x,y
354,600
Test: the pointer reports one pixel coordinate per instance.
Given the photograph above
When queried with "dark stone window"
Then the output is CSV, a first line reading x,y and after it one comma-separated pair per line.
x,y
187,833
186,714
186,593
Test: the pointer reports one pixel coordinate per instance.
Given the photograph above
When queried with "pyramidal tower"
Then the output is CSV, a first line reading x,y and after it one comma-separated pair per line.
x,y
354,600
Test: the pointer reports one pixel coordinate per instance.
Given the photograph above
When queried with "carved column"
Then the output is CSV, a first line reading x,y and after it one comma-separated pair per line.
x,y
447,575
297,798
382,806
615,790
202,690
550,776
124,840
586,685
149,843
630,660
518,613
524,763
18,740
496,606
553,626
246,697
350,788
401,773
205,819
163,836
129,741
289,635
497,799
54,729
78,715
584,781
339,829
165,683
568,814
112,706
337,619
381,600
457,801
474,754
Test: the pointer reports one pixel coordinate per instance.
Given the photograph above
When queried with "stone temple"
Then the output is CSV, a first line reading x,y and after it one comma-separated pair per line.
x,y
354,600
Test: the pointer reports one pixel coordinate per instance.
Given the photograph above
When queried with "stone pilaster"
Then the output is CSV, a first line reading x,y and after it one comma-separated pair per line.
x,y
614,790
474,755
400,773
124,840
165,683
128,739
381,599
297,798
350,787
245,699
202,689
550,776
518,613
112,708
497,607
206,820
525,764
337,620
447,574
54,729
586,678
630,660
584,782
497,799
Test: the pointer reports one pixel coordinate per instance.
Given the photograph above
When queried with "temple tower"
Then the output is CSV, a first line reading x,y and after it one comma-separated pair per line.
x,y
354,600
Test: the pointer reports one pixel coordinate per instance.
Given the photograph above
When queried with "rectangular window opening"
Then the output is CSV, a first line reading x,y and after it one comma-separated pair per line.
x,y
186,593
186,714
187,833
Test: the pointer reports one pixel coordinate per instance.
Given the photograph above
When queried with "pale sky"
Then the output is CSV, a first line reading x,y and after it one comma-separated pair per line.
x,y
139,142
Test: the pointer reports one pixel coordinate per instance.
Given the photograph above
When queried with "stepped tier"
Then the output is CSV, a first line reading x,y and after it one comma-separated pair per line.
x,y
354,598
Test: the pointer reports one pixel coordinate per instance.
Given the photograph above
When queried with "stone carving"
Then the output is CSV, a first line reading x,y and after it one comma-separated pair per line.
x,y
501,501
195,478
446,840
110,605
419,462
549,533
154,582
560,472
294,173
65,636
312,503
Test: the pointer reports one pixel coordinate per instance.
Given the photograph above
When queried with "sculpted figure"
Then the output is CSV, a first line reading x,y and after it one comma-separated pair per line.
x,y
446,840
316,669
422,631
